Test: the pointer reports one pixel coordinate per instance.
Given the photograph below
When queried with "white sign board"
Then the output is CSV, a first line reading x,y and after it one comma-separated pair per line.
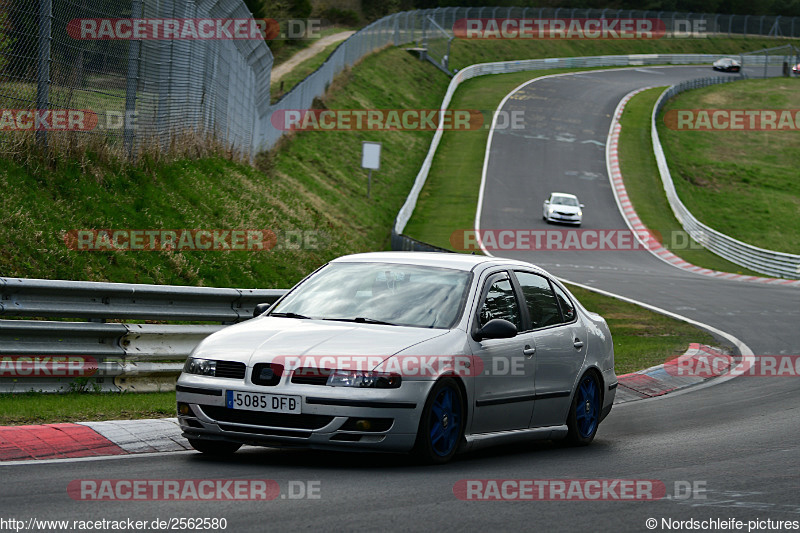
x,y
370,155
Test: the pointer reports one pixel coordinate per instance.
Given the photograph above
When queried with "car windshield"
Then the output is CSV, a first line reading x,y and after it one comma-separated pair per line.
x,y
564,200
397,294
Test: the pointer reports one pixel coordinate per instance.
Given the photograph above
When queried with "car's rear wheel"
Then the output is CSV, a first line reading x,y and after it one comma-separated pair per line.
x,y
584,413
214,447
441,426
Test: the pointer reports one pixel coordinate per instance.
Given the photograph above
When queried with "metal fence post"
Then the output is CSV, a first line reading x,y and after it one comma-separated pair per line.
x,y
132,81
43,69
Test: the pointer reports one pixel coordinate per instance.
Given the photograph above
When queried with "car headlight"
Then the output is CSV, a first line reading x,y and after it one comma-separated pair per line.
x,y
203,367
362,379
580,213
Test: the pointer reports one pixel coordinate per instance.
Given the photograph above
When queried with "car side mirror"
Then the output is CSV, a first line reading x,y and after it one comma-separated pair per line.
x,y
547,201
496,328
582,206
260,309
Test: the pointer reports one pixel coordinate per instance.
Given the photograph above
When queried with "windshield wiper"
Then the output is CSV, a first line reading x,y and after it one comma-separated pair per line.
x,y
288,315
361,320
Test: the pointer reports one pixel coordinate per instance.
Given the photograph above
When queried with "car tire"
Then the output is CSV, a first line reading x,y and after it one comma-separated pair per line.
x,y
584,411
214,447
441,425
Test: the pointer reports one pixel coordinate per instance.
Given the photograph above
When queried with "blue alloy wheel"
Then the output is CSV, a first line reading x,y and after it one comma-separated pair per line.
x,y
587,410
584,413
445,427
441,426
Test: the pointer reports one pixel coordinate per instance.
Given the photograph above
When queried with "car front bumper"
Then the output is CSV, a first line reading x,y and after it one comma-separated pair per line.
x,y
564,219
328,418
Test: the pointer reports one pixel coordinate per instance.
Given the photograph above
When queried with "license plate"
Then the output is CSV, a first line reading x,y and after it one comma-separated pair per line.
x,y
256,401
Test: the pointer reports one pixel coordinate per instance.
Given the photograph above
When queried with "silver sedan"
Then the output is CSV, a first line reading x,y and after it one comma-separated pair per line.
x,y
406,352
563,207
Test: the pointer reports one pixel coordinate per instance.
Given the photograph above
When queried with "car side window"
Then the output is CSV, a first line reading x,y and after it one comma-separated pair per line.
x,y
501,302
567,309
540,300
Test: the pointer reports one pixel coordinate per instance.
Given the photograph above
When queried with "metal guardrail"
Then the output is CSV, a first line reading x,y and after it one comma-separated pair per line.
x,y
402,242
114,356
91,300
772,263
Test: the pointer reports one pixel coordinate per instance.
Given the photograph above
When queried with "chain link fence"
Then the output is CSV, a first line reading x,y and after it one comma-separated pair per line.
x,y
134,91
143,91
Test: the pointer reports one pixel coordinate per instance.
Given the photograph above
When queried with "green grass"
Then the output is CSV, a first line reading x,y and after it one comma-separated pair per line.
x,y
299,73
37,408
642,338
646,192
742,183
313,183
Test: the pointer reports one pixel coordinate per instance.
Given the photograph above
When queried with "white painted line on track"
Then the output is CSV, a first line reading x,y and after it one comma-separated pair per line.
x,y
29,462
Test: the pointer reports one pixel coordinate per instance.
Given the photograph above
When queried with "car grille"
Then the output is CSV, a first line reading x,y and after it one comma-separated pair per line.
x,y
266,431
564,214
230,369
267,374
256,418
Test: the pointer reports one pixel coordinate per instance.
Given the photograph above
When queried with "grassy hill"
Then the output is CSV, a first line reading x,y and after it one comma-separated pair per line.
x,y
312,182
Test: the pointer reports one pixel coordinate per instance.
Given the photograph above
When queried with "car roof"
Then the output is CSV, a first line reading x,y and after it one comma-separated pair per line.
x,y
563,194
435,259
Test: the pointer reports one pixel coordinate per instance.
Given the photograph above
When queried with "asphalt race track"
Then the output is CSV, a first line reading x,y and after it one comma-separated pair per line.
x,y
737,440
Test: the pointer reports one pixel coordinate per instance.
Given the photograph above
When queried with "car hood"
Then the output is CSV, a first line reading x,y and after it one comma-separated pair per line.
x,y
262,339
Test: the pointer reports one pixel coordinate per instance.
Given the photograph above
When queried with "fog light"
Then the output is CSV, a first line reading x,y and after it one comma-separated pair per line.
x,y
184,409
363,425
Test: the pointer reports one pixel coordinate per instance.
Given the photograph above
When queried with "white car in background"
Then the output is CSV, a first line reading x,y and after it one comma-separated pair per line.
x,y
563,207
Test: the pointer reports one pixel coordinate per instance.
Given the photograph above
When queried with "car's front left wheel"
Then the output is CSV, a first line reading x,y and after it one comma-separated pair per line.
x,y
441,426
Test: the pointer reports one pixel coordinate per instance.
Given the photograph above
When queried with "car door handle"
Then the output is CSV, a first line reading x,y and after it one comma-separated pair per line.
x,y
578,344
528,350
